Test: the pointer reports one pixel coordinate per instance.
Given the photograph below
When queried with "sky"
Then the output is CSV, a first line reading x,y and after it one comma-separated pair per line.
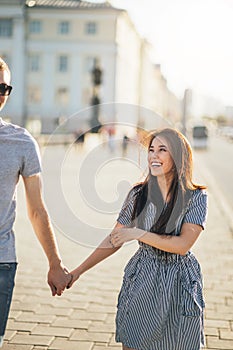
x,y
192,40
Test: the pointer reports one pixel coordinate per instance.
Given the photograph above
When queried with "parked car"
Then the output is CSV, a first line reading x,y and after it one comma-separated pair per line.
x,y
200,136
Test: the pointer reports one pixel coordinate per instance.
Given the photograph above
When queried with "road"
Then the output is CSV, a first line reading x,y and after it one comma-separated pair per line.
x,y
217,160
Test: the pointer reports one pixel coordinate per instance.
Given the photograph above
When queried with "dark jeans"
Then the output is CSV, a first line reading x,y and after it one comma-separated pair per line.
x,y
7,277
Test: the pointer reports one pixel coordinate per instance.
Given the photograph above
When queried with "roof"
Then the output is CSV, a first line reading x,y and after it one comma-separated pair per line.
x,y
68,4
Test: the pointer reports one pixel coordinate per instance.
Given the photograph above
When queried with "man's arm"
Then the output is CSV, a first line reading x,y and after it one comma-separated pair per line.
x,y
58,276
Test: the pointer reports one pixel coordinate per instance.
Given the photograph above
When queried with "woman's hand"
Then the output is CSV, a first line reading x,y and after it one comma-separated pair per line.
x,y
120,236
75,274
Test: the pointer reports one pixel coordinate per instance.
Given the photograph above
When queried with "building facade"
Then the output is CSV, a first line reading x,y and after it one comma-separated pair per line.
x,y
51,47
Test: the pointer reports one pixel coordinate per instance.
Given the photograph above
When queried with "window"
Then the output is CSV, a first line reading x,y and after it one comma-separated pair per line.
x,y
64,27
63,63
34,94
89,64
34,63
62,96
6,28
91,28
35,27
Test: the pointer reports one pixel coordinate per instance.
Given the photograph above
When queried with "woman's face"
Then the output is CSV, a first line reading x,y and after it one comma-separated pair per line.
x,y
160,160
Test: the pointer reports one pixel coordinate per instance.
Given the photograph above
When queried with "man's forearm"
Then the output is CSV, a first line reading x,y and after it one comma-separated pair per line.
x,y
43,229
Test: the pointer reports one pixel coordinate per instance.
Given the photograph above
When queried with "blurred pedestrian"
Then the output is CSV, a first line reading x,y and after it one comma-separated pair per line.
x,y
111,131
19,155
79,136
125,143
160,305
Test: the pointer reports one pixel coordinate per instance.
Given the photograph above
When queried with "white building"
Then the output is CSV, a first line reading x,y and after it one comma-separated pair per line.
x,y
51,46
205,106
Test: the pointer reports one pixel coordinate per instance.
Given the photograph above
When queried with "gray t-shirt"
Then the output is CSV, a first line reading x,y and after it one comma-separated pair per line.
x,y
19,155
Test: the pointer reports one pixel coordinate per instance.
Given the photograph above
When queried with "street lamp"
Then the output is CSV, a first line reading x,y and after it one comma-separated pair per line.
x,y
96,75
186,106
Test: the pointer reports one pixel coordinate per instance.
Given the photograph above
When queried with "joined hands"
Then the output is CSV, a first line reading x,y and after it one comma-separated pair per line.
x,y
59,278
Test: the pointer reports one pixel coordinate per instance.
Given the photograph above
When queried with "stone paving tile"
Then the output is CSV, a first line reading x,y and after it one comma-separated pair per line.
x,y
14,314
67,304
20,297
100,327
63,344
28,339
217,324
23,291
107,294
20,326
101,308
218,315
88,298
32,317
213,292
9,334
54,331
37,300
94,337
71,323
220,344
110,319
16,347
92,316
17,305
50,310
225,309
211,331
99,347
226,334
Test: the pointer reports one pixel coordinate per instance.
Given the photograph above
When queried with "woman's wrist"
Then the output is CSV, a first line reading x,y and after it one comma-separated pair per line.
x,y
76,273
140,233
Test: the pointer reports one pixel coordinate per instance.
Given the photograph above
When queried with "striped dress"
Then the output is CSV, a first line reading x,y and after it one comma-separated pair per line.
x,y
160,305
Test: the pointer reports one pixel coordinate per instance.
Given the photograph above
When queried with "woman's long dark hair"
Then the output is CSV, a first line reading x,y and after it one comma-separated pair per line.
x,y
180,189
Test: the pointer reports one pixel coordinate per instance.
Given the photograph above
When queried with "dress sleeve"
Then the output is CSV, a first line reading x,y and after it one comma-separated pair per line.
x,y
197,209
125,215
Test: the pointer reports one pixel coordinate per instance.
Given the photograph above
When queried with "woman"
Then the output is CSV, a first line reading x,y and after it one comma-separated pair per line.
x,y
160,305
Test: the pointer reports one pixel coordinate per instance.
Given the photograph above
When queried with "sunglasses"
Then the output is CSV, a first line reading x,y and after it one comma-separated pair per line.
x,y
5,89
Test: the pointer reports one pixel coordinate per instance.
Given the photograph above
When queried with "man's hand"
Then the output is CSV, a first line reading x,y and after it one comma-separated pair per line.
x,y
58,279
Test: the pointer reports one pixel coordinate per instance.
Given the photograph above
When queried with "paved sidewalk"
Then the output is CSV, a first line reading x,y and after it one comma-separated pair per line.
x,y
83,318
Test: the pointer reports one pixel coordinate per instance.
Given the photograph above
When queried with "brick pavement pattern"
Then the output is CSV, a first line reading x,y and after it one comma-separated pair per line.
x,y
83,318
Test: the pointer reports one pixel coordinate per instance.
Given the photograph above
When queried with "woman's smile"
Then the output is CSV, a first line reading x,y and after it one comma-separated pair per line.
x,y
160,160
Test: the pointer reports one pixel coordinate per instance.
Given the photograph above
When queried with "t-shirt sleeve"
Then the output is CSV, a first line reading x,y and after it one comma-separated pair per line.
x,y
197,209
31,164
125,215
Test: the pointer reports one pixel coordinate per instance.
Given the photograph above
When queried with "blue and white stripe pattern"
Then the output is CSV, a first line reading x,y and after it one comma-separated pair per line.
x,y
160,305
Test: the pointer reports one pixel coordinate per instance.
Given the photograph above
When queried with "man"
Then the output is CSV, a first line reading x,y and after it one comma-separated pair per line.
x,y
19,155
